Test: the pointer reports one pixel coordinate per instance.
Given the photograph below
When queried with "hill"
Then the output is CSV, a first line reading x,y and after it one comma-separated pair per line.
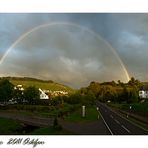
x,y
145,84
43,84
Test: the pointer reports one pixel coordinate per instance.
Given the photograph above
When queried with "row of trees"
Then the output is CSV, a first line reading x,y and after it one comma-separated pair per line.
x,y
31,96
7,92
74,99
116,92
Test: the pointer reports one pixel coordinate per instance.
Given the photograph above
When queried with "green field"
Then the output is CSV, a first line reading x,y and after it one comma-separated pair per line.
x,y
39,110
50,131
145,84
9,127
43,85
91,115
137,108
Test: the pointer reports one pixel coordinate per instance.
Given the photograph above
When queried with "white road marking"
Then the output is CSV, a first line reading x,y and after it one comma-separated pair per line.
x,y
126,129
117,121
98,116
106,124
126,119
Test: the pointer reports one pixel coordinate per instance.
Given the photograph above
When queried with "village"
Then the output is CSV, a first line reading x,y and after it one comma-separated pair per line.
x,y
43,93
48,94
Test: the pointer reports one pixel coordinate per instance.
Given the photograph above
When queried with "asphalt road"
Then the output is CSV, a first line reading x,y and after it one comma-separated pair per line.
x,y
118,125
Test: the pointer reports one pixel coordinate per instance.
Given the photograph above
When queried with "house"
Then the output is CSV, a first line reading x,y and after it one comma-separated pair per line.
x,y
58,93
19,87
143,93
43,95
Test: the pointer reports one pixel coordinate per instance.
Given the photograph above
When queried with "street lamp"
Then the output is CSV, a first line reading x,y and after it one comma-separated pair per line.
x,y
98,111
83,111
130,107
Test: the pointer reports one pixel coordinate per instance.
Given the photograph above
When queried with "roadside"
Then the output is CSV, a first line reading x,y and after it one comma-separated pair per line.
x,y
91,124
73,123
132,117
92,128
29,120
138,120
135,116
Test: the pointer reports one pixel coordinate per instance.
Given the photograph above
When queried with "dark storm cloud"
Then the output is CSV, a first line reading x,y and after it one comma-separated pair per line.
x,y
130,38
71,55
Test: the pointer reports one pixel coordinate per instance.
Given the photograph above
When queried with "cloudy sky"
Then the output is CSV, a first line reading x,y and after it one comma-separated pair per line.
x,y
74,49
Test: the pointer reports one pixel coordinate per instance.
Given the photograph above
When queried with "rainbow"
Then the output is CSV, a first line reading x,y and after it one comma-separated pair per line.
x,y
70,24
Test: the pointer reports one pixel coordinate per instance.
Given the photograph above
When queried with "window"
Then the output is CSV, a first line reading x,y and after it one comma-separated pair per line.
x,y
140,92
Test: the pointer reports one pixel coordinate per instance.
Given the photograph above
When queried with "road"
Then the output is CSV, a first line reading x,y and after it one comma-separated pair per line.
x,y
118,125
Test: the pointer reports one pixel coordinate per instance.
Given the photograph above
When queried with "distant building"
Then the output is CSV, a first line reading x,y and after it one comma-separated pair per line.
x,y
19,87
58,93
143,93
43,95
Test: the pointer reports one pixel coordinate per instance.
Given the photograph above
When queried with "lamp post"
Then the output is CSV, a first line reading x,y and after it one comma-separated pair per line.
x,y
83,111
97,108
130,107
98,111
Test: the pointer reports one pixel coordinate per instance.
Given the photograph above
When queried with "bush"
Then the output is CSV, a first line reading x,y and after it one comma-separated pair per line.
x,y
56,125
137,108
31,108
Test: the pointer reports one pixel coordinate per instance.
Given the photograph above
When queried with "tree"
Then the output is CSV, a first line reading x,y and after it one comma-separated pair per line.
x,y
134,82
120,83
88,99
124,96
75,98
18,95
113,83
107,92
57,100
132,96
31,94
6,89
94,87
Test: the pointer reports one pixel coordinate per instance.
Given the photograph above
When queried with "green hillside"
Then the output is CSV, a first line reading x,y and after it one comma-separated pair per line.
x,y
145,84
43,84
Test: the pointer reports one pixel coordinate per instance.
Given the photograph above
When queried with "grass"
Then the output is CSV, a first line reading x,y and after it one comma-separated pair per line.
x,y
141,124
50,131
137,108
39,110
8,126
137,122
28,113
43,85
20,112
116,105
91,115
11,127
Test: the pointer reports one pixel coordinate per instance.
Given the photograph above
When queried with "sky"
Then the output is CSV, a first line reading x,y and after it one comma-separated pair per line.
x,y
74,48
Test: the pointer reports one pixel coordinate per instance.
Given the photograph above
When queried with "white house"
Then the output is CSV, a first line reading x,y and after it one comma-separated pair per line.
x,y
19,87
143,93
58,93
43,95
